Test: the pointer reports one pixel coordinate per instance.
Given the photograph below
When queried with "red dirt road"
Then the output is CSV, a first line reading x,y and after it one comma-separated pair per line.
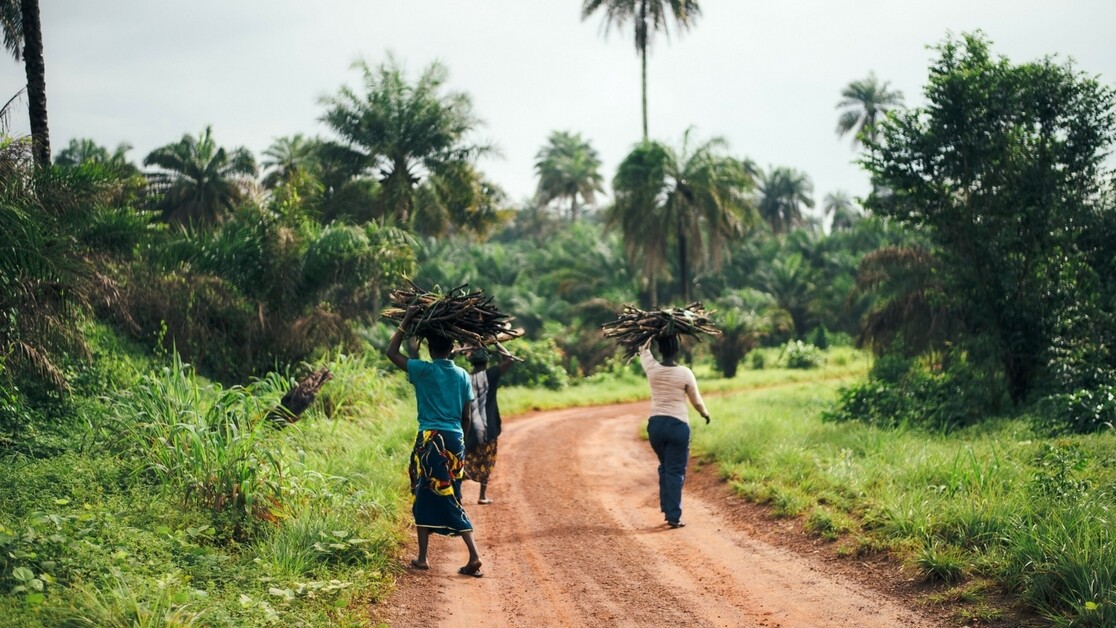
x,y
575,538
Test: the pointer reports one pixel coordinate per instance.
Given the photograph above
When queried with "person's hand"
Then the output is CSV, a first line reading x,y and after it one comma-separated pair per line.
x,y
411,313
706,416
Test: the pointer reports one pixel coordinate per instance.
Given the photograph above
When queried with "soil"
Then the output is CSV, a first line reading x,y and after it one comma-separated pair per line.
x,y
574,537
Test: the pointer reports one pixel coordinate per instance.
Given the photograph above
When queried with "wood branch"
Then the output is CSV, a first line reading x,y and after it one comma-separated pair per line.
x,y
469,318
634,326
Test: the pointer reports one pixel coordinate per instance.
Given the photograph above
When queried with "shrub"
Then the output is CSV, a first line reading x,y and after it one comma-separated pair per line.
x,y
801,355
541,366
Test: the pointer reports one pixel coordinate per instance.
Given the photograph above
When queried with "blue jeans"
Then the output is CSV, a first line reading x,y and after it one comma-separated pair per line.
x,y
670,438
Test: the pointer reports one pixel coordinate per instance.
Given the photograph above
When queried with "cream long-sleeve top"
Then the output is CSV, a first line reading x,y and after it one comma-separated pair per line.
x,y
670,387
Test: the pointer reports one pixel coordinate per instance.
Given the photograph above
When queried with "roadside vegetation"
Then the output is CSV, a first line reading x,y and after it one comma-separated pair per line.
x,y
929,370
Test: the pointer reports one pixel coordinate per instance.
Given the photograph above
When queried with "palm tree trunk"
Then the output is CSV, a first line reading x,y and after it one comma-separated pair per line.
x,y
643,60
683,267
36,81
573,207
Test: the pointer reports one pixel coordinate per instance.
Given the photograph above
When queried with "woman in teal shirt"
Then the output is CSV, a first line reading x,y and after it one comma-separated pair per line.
x,y
442,395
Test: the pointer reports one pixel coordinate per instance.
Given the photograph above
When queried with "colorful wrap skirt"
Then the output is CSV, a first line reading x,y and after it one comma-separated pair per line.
x,y
479,462
436,469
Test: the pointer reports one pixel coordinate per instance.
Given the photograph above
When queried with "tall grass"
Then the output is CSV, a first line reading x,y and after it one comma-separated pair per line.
x,y
996,500
201,441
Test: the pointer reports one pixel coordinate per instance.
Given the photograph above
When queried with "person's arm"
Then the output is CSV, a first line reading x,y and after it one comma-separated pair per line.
x,y
695,397
505,364
393,353
466,419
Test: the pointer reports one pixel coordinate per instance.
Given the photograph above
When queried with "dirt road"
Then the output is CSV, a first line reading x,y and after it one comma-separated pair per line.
x,y
575,538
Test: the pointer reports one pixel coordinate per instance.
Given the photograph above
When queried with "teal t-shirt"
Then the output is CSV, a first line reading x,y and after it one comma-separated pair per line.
x,y
442,390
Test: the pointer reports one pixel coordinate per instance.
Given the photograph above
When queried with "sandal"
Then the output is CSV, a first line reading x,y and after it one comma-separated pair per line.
x,y
484,501
471,569
417,565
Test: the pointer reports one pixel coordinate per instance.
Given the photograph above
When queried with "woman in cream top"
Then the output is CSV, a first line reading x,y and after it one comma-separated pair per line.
x,y
668,427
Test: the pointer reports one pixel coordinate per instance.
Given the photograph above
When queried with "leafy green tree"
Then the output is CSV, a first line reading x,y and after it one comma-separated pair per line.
x,y
693,197
1008,192
199,182
408,133
646,17
783,192
568,167
21,24
863,104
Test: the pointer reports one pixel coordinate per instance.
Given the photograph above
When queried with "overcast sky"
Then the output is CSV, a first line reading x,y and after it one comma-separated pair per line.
x,y
765,75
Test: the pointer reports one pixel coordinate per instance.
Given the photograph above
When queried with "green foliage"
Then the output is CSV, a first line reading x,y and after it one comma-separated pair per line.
x,y
198,182
1007,193
541,366
988,501
692,200
1083,410
903,391
414,137
741,332
941,562
203,443
801,355
568,167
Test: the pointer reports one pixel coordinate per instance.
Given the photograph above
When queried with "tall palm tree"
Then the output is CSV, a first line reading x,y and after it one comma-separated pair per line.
x,y
843,209
693,197
20,22
404,132
863,103
199,182
783,192
568,167
646,16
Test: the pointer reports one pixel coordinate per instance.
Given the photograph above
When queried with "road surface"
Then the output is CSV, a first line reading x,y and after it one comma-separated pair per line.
x,y
575,538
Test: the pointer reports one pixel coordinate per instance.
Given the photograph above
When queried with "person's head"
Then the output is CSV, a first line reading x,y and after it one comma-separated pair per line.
x,y
668,346
478,358
440,346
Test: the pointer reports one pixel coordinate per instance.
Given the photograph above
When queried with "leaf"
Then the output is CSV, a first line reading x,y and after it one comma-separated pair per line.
x,y
23,574
1091,606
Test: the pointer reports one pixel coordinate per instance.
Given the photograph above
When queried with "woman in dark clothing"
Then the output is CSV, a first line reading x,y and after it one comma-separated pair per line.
x,y
480,440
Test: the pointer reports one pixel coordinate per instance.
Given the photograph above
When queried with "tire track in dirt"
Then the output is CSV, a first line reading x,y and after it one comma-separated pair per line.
x,y
575,538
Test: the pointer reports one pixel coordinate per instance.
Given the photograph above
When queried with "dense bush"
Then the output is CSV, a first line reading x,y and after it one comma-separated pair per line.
x,y
541,366
802,355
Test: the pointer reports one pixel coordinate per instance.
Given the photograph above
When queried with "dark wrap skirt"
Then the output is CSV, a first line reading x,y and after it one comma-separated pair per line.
x,y
436,469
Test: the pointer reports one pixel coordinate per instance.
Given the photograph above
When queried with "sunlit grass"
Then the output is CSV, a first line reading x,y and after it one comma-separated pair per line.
x,y
996,500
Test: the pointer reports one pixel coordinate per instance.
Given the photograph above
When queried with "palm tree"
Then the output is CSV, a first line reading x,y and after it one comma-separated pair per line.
x,y
199,182
85,150
843,209
783,192
647,16
404,132
20,22
693,197
863,103
289,158
568,167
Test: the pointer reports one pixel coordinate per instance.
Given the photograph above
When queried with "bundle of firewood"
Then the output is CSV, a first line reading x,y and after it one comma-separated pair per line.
x,y
634,326
469,318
